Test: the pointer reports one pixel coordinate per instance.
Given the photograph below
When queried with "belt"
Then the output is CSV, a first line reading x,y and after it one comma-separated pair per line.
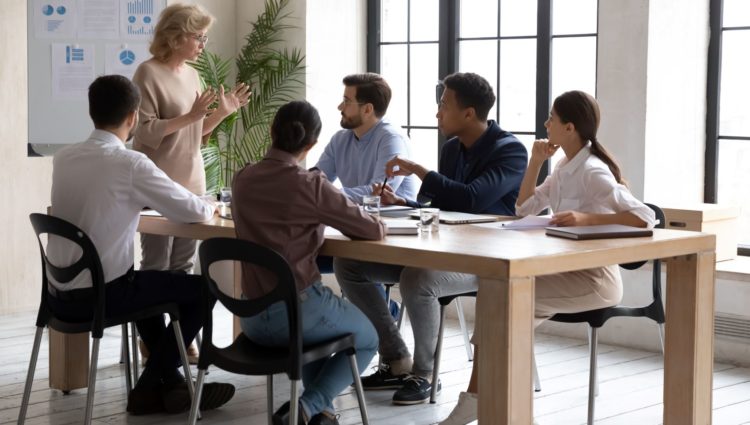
x,y
71,295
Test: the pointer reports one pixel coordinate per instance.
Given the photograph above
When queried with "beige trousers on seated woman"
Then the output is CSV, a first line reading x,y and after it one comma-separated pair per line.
x,y
573,292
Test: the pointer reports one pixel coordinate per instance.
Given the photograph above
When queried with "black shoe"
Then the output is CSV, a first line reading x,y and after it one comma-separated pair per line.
x,y
324,419
383,379
215,394
416,390
145,401
281,417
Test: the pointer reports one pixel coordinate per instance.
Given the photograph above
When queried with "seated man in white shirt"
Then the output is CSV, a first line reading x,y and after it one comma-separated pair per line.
x,y
101,187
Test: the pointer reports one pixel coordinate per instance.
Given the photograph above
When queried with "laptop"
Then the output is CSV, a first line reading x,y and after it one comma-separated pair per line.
x,y
452,217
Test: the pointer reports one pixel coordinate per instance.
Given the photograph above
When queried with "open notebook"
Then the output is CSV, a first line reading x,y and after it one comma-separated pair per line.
x,y
452,217
402,227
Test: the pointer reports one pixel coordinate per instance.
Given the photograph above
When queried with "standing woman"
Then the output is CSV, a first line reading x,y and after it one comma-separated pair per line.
x,y
176,118
586,188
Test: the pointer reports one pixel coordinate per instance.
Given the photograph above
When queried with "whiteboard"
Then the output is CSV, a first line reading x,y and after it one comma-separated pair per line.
x,y
99,37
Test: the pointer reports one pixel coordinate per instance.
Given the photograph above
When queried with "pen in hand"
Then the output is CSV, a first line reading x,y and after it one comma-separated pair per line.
x,y
382,188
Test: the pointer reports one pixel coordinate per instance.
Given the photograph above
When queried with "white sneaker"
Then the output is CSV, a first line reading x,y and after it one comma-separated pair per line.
x,y
465,411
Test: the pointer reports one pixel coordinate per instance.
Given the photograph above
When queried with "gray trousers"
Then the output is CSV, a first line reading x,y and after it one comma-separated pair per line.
x,y
420,289
167,253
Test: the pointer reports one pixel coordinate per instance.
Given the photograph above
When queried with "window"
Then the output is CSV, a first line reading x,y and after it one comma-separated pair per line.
x,y
529,51
728,116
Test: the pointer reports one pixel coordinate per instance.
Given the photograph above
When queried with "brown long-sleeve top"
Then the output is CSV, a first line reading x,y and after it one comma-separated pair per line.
x,y
164,95
277,204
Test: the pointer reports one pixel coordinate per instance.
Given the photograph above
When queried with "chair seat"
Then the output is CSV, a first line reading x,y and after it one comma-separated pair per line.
x,y
81,327
246,357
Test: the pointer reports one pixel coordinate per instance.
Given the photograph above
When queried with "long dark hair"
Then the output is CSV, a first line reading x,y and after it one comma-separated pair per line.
x,y
295,126
582,110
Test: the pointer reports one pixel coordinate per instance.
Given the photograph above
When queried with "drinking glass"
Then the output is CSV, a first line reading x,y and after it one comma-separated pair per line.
x,y
371,205
429,220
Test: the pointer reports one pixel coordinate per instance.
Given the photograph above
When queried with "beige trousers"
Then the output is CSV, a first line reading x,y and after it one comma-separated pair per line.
x,y
167,253
575,291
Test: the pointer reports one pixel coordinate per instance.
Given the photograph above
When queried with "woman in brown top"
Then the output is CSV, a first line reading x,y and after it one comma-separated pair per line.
x,y
175,117
280,205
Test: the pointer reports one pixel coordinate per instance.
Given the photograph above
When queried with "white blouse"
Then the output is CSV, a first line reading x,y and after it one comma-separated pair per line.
x,y
584,184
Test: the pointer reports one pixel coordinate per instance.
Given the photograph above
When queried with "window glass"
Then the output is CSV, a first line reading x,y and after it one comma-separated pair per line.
x,y
393,18
733,175
734,119
573,65
736,13
424,147
424,20
517,17
574,17
478,18
480,57
517,95
424,77
393,60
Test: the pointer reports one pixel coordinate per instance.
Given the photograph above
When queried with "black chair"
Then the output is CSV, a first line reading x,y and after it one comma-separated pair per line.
x,y
597,318
247,358
45,224
444,301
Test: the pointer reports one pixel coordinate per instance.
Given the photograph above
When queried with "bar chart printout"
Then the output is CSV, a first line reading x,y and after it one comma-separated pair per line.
x,y
138,18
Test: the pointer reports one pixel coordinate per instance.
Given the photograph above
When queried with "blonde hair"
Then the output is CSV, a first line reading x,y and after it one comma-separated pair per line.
x,y
176,21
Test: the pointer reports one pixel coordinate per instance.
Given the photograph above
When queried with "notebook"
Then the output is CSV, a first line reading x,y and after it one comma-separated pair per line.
x,y
452,217
604,231
402,227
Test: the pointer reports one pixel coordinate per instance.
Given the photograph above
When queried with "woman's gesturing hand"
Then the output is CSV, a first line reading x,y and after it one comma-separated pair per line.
x,y
234,99
202,104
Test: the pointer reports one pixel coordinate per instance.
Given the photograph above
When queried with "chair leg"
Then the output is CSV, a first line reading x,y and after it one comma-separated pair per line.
x,y
358,387
535,373
401,313
123,344
198,391
198,340
661,337
438,352
593,382
30,375
92,381
269,398
134,349
128,364
183,356
464,330
294,403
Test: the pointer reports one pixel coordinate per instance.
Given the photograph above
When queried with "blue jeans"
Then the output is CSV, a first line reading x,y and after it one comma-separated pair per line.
x,y
324,316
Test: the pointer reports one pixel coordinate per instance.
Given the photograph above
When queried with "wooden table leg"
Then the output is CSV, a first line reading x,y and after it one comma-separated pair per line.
x,y
505,313
237,278
68,360
688,361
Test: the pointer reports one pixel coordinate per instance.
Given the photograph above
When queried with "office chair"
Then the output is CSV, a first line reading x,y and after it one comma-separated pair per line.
x,y
248,358
46,224
597,318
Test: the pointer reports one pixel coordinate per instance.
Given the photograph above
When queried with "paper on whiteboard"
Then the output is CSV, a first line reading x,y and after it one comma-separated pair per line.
x,y
528,222
72,70
55,18
138,18
97,19
123,59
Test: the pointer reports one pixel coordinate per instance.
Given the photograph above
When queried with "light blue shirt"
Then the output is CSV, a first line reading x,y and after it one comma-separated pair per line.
x,y
359,163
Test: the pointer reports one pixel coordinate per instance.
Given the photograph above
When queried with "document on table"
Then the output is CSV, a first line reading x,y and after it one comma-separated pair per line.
x,y
528,222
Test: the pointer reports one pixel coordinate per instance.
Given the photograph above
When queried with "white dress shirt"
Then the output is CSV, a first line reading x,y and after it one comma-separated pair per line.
x,y
101,187
584,184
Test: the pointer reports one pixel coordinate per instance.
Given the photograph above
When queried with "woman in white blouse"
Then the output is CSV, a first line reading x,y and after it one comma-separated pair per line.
x,y
586,188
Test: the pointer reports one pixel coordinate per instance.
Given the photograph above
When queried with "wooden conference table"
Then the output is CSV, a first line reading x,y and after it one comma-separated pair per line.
x,y
506,262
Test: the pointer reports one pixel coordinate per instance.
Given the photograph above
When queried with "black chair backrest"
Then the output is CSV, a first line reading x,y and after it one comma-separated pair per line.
x,y
221,249
47,224
660,224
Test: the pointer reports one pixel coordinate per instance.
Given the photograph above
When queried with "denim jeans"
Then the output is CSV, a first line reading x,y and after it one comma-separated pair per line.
x,y
324,316
420,290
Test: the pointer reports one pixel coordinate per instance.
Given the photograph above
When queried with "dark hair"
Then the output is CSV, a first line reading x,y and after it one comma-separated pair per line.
x,y
472,91
371,88
295,126
582,110
111,99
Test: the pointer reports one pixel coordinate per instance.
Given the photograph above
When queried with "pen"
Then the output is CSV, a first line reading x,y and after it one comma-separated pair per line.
x,y
383,186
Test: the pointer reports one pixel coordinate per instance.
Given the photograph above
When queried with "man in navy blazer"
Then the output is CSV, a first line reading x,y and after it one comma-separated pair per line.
x,y
480,171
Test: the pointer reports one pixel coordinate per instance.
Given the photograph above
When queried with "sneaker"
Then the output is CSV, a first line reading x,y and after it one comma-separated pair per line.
x,y
177,398
416,390
324,418
281,416
465,411
145,401
383,379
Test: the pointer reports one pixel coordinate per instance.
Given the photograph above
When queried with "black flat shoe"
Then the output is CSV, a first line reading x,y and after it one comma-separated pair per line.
x,y
281,417
177,398
145,401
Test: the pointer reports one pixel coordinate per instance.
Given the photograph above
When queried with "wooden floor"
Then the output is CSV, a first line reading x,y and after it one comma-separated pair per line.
x,y
630,386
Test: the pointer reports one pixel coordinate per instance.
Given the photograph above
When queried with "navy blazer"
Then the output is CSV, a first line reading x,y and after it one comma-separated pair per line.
x,y
482,179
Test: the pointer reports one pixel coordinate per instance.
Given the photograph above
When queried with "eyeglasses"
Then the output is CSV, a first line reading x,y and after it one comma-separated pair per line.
x,y
200,38
346,101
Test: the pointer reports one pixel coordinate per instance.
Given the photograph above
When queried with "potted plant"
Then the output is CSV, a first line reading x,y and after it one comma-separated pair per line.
x,y
273,74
